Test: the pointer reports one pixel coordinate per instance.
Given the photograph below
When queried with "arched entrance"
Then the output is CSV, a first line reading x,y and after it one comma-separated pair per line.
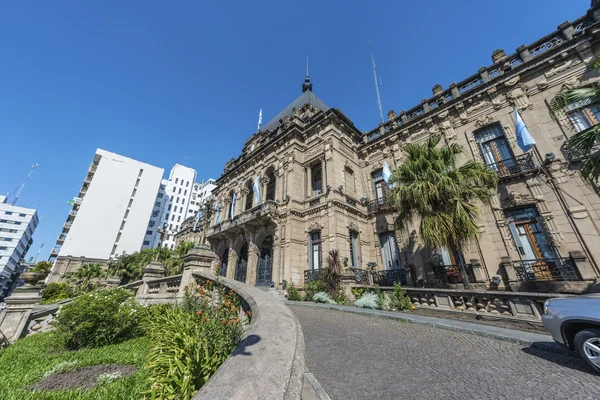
x,y
264,273
224,262
242,265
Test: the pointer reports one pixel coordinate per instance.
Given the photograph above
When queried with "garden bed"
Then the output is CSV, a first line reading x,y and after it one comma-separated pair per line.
x,y
27,366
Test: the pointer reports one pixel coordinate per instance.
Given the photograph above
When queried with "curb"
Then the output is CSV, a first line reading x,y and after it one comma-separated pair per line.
x,y
535,340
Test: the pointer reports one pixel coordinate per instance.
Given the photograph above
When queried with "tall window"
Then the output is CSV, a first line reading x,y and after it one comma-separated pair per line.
x,y
314,250
316,174
349,183
494,147
233,198
583,114
378,186
250,195
272,185
354,249
389,250
527,230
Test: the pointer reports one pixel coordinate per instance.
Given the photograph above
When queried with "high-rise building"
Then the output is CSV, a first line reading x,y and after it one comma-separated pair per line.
x,y
17,225
179,197
110,214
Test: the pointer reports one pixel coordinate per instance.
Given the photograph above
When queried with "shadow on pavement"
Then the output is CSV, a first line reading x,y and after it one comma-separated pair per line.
x,y
556,354
244,344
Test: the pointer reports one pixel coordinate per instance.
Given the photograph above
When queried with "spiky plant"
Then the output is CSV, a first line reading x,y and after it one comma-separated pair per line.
x,y
332,274
431,186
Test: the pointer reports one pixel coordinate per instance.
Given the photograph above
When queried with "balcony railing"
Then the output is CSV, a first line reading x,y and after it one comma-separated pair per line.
x,y
389,277
513,167
577,156
444,274
312,275
377,205
61,238
544,270
55,250
67,225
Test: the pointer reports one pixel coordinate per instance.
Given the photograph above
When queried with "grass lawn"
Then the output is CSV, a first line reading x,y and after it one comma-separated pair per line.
x,y
25,363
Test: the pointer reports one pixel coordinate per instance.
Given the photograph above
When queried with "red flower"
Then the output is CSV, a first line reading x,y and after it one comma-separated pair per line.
x,y
199,312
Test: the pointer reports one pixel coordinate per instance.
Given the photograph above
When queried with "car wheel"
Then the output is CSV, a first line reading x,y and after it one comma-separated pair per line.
x,y
587,343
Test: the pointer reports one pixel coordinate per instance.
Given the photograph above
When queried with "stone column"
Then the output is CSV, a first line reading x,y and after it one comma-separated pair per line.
x,y
153,270
231,264
15,317
511,275
346,281
583,265
524,53
253,254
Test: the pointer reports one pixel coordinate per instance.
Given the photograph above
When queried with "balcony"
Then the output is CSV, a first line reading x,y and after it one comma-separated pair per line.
x,y
577,156
73,213
67,225
312,275
378,205
258,214
514,167
55,250
546,270
61,238
77,200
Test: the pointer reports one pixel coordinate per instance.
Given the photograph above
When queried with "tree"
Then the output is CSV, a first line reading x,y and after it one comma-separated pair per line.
x,y
43,267
174,263
583,142
430,185
82,278
332,274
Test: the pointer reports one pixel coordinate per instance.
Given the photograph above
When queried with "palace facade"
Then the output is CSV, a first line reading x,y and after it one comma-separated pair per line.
x,y
321,185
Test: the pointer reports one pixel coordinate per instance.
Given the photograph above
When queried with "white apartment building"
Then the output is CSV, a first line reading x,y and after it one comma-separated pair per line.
x,y
17,225
110,214
179,197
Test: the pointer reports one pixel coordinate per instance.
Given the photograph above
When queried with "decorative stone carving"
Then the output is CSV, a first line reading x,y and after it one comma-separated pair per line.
x,y
477,106
515,199
510,135
483,121
571,83
512,81
519,97
462,113
353,226
497,99
315,226
562,67
448,131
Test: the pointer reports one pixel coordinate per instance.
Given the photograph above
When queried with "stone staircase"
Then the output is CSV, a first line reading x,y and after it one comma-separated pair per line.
x,y
273,291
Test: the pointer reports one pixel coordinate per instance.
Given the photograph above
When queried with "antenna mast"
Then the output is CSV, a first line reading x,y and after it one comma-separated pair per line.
x,y
376,86
23,185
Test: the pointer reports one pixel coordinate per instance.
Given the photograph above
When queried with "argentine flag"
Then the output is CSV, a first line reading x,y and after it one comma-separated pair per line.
x,y
386,172
233,205
524,139
256,191
218,210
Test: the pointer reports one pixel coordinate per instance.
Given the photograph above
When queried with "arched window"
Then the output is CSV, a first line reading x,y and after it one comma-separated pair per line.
x,y
316,174
272,185
250,195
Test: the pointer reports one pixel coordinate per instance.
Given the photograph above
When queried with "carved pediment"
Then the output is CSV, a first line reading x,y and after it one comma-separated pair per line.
x,y
353,226
516,199
315,226
483,121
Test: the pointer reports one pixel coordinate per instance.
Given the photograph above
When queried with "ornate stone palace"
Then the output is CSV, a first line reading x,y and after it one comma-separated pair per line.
x,y
321,187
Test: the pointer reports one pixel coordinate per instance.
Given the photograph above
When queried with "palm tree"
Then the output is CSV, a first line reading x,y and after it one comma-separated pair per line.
x,y
83,276
430,185
583,142
332,274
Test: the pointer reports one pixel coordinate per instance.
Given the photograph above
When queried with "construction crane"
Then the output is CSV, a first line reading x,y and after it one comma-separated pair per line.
x,y
38,253
23,185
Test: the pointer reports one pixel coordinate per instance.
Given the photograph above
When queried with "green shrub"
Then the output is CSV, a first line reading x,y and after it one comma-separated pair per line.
x,y
190,341
98,319
340,297
322,297
368,300
358,292
56,292
292,293
384,301
311,288
400,299
43,267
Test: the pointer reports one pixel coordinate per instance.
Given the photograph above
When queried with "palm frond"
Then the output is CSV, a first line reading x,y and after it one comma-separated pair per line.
x,y
568,97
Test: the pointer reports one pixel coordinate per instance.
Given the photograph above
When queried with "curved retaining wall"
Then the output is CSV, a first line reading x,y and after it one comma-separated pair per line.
x,y
268,363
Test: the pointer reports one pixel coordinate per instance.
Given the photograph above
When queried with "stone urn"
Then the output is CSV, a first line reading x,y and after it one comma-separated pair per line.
x,y
32,278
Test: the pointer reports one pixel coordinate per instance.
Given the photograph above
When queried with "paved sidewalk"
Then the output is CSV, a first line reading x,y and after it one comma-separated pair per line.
x,y
356,356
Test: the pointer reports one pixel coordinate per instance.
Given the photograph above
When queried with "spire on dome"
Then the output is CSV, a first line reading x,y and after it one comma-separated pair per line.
x,y
306,85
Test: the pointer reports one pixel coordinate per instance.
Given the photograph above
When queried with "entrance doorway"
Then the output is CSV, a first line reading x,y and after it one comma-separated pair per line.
x,y
264,273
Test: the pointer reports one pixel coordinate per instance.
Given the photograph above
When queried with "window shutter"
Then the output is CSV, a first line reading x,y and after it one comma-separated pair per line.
x,y
515,235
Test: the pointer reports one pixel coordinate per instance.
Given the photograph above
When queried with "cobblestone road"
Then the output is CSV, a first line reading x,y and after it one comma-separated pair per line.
x,y
362,357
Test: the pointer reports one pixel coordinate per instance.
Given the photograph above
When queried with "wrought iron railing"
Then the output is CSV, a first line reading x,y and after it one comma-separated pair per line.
x,y
389,277
515,166
544,270
577,155
312,275
362,276
451,274
377,205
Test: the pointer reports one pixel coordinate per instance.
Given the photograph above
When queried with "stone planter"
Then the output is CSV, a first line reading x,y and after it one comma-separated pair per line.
x,y
32,278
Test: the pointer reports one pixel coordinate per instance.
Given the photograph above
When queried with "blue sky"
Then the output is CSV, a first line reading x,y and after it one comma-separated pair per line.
x,y
183,81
